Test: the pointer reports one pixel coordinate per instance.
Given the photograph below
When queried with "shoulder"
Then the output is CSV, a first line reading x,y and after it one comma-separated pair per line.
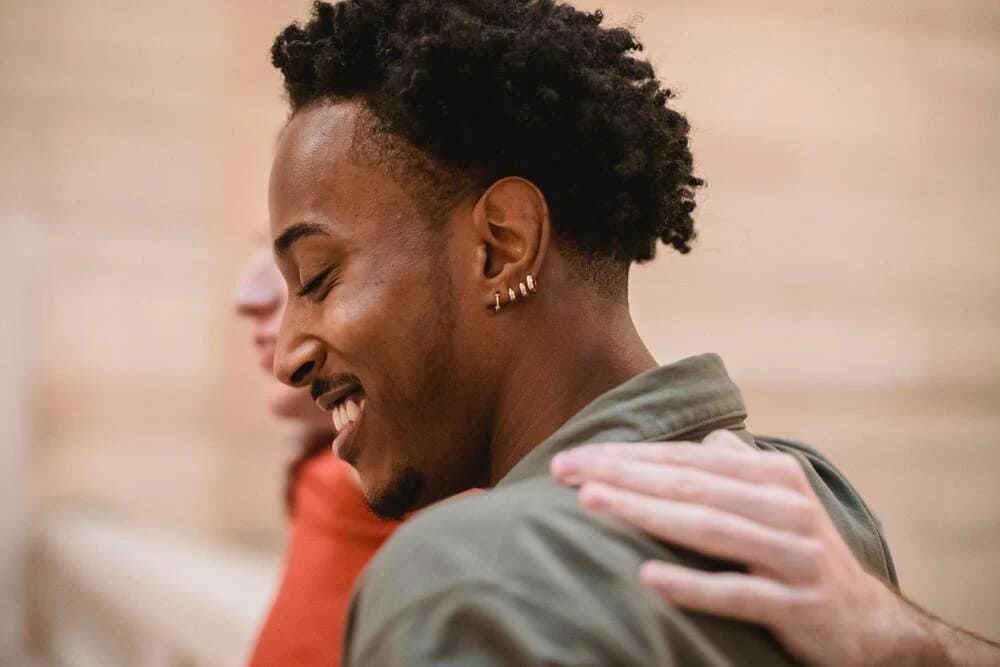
x,y
487,537
506,576
529,542
530,538
855,521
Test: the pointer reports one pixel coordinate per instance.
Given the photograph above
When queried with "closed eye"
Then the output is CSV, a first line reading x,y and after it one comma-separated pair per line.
x,y
315,282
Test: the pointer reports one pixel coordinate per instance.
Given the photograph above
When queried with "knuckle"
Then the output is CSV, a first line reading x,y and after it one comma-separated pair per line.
x,y
804,603
716,529
687,488
787,469
715,436
811,551
611,470
770,461
804,523
639,513
801,506
804,514
727,441
789,465
627,507
743,601
680,454
797,475
815,515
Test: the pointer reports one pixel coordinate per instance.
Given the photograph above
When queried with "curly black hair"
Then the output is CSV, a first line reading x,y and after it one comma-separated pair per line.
x,y
531,88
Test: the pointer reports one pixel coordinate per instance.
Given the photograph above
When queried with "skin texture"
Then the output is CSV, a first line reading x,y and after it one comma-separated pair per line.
x,y
406,315
756,508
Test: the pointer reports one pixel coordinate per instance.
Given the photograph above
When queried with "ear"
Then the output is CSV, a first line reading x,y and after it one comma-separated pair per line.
x,y
512,225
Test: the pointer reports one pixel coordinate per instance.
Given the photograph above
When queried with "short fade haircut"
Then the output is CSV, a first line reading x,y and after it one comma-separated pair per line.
x,y
484,89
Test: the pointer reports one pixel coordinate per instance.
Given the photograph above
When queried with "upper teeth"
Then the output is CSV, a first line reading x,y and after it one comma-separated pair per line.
x,y
346,411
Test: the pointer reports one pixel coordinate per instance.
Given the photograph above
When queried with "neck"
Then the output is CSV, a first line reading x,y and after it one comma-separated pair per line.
x,y
555,373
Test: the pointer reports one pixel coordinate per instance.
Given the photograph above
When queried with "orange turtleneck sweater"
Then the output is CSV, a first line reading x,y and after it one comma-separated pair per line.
x,y
333,536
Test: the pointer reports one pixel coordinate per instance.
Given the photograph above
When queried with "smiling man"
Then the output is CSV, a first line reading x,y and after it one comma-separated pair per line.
x,y
456,201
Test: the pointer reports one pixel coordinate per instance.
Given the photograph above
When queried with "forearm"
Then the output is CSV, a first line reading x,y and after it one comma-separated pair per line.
x,y
926,640
960,647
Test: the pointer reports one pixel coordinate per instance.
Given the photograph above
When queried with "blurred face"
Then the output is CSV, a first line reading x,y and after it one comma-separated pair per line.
x,y
374,323
261,299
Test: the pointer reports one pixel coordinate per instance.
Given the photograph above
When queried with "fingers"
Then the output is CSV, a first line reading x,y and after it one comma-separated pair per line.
x,y
724,438
744,597
709,531
720,498
717,455
776,506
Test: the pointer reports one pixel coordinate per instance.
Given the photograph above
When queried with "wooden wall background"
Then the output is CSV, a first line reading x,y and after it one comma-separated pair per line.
x,y
847,269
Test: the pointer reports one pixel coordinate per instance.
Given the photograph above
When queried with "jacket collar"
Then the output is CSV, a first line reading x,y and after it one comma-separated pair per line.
x,y
685,399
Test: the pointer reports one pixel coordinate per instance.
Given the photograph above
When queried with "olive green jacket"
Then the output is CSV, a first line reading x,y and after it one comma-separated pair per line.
x,y
521,575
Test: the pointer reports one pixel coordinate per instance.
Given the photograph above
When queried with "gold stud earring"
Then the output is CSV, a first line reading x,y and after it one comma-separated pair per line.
x,y
512,294
497,306
532,284
524,290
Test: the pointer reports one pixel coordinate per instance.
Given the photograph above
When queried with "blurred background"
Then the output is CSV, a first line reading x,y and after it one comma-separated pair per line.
x,y
847,270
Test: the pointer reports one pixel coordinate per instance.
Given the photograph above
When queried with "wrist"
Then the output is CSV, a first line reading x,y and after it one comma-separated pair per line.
x,y
905,635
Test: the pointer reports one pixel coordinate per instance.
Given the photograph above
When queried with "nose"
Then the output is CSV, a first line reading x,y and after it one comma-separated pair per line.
x,y
261,291
297,364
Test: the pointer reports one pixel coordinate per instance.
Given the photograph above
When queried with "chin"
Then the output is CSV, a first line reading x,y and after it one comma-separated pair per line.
x,y
396,497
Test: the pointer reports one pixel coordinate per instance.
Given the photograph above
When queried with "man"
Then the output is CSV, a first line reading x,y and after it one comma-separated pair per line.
x,y
838,616
455,204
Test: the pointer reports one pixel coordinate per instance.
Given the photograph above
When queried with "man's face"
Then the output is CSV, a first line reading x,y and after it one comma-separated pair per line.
x,y
372,324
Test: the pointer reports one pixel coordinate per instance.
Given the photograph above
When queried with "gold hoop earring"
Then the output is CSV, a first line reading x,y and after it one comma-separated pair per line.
x,y
512,294
524,290
532,283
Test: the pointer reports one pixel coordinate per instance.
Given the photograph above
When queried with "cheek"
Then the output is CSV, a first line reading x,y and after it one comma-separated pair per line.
x,y
387,325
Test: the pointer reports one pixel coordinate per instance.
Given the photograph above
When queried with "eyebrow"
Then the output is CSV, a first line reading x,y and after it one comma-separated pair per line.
x,y
295,232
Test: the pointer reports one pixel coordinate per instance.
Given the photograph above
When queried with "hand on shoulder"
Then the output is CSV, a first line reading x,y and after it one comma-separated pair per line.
x,y
726,500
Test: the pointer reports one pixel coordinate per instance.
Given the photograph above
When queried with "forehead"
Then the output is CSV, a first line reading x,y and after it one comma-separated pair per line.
x,y
320,174
312,146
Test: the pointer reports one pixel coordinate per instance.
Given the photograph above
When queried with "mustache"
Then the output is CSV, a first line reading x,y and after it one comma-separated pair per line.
x,y
323,385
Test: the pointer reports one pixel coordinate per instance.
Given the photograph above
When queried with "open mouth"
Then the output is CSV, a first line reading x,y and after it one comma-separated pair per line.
x,y
346,404
345,401
348,410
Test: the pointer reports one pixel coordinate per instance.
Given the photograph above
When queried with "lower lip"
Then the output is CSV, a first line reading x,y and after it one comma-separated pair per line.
x,y
343,443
